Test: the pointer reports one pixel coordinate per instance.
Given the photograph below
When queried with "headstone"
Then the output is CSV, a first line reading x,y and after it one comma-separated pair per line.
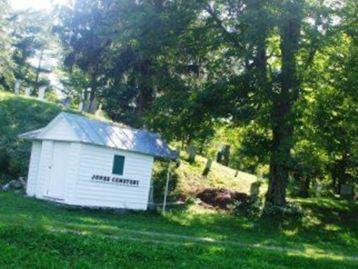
x,y
27,91
67,102
41,93
192,153
207,167
14,184
177,161
255,189
80,106
93,106
17,86
226,154
219,157
99,111
347,191
151,204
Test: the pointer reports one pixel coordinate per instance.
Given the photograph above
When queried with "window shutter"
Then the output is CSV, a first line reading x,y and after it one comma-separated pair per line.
x,y
118,165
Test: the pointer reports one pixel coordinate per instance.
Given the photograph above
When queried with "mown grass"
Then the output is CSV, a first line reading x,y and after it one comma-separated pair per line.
x,y
187,180
192,180
39,234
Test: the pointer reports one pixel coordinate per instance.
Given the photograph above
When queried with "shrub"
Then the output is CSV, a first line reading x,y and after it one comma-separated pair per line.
x,y
18,115
290,212
251,208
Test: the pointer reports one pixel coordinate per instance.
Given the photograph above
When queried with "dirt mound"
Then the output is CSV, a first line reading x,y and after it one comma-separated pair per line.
x,y
222,198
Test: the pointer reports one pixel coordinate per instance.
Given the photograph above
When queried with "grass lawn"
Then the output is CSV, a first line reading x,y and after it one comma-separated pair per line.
x,y
39,234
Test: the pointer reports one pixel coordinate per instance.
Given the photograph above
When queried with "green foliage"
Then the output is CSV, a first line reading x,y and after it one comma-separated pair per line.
x,y
75,84
19,115
6,64
276,80
31,38
252,209
291,213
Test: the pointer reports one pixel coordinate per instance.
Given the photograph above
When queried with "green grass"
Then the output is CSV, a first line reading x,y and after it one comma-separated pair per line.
x,y
187,179
39,234
191,179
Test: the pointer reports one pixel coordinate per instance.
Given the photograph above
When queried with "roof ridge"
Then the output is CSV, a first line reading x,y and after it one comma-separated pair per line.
x,y
107,134
113,123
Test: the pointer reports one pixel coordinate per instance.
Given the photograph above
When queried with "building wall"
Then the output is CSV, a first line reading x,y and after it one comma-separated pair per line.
x,y
72,172
96,160
43,168
33,168
85,161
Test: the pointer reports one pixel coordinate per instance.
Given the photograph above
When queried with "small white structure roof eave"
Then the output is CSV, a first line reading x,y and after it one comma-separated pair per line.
x,y
105,134
32,135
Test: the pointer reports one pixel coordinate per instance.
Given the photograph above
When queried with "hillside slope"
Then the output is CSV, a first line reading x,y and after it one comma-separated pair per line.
x,y
219,176
19,114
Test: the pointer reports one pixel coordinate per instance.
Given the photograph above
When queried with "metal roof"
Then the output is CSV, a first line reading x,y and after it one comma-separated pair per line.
x,y
111,135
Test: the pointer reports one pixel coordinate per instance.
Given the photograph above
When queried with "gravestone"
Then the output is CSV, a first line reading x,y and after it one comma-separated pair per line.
x,y
17,86
207,167
347,191
226,154
27,91
255,189
192,153
41,93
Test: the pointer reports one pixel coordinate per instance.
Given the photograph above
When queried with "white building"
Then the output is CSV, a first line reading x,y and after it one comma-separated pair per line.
x,y
79,161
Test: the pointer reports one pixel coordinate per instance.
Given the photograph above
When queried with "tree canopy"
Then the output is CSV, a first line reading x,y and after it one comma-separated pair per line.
x,y
275,79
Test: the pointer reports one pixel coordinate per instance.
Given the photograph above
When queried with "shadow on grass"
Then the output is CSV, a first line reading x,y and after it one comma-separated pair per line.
x,y
330,225
36,248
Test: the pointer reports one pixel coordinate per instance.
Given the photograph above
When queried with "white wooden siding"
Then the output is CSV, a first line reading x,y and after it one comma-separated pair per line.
x,y
44,171
72,172
33,168
96,160
84,161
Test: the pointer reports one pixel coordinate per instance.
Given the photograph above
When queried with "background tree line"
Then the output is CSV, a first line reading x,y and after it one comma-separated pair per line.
x,y
277,80
26,39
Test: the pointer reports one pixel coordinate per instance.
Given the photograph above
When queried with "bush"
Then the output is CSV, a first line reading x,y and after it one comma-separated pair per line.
x,y
252,208
17,115
159,179
290,212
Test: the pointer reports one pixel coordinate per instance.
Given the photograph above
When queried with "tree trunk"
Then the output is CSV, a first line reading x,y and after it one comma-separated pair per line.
x,y
304,186
92,106
145,97
276,193
36,86
282,116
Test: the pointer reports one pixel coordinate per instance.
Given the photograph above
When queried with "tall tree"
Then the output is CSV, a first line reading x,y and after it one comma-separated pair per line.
x,y
335,112
6,63
30,31
282,117
181,65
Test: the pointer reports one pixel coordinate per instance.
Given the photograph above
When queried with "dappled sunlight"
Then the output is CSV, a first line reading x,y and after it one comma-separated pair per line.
x,y
180,226
332,227
290,233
